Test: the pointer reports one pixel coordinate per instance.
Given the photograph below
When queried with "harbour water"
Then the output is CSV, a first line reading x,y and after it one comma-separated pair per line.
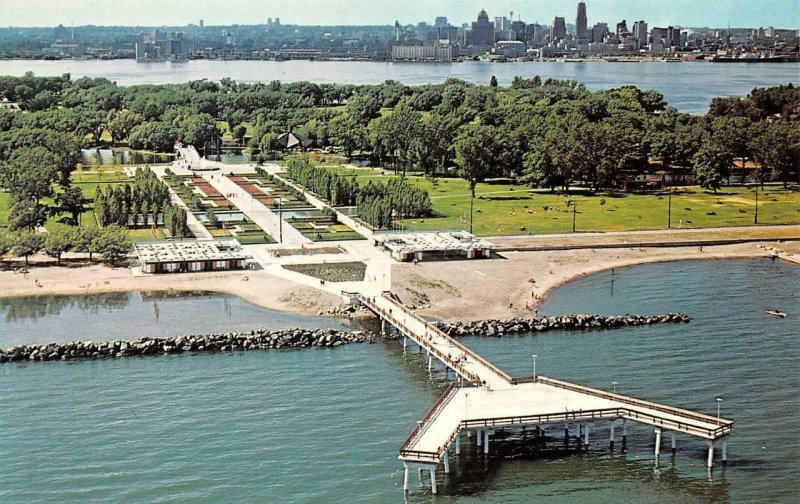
x,y
687,86
130,315
324,425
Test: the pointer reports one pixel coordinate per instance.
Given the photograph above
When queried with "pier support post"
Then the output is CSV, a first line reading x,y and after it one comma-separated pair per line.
x,y
672,442
383,330
658,444
405,477
430,362
458,444
624,431
419,475
486,442
586,435
446,460
566,434
405,342
433,480
480,438
611,435
710,462
724,452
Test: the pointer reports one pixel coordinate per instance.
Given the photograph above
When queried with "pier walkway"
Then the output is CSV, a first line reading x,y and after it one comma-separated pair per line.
x,y
485,399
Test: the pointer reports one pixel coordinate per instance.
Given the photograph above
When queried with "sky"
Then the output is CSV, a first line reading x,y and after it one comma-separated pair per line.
x,y
712,13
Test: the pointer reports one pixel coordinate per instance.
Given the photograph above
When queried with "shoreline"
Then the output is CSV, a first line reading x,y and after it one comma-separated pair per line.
x,y
499,288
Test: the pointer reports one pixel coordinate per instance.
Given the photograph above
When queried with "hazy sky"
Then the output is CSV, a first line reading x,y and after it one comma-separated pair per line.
x,y
716,13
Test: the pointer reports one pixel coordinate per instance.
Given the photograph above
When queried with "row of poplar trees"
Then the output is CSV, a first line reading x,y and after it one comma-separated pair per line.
x,y
141,203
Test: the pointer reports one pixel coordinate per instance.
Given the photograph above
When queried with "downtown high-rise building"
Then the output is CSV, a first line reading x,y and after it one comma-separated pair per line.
x,y
482,31
581,24
559,29
640,33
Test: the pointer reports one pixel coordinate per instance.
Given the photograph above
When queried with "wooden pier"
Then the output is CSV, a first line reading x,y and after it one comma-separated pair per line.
x,y
484,399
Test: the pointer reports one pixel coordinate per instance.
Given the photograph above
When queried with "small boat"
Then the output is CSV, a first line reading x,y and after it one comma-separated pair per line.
x,y
776,313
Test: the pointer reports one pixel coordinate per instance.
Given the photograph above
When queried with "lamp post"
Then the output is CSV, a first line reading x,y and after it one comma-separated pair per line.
x,y
755,219
471,204
719,402
574,205
534,367
280,219
669,209
614,384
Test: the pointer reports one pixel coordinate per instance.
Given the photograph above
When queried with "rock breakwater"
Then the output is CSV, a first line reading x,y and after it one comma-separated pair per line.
x,y
224,342
498,328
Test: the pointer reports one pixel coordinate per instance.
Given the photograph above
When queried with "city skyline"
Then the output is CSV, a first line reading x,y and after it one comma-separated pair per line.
x,y
715,13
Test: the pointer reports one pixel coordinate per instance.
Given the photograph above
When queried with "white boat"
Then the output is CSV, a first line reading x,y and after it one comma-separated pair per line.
x,y
776,313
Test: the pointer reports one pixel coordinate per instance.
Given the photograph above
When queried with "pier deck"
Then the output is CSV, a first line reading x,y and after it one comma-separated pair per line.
x,y
486,398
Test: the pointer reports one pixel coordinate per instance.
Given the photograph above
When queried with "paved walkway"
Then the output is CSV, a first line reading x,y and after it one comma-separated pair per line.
x,y
656,238
277,172
195,226
255,210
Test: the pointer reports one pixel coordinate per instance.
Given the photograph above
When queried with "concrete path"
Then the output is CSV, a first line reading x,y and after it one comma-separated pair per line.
x,y
255,210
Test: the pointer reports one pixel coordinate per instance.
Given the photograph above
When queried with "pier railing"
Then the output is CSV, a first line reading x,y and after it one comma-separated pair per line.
x,y
544,418
724,425
432,328
429,417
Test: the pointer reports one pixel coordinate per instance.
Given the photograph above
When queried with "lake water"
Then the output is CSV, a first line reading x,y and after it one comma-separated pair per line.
x,y
324,425
686,86
130,315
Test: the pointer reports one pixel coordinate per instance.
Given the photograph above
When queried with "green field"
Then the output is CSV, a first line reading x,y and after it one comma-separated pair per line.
x,y
88,181
504,208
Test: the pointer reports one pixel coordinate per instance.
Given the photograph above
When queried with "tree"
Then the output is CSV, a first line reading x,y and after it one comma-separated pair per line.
x,y
6,243
776,149
85,240
30,173
27,243
710,166
120,123
364,107
59,239
434,145
26,214
71,201
153,136
346,132
113,243
399,131
213,221
239,133
477,150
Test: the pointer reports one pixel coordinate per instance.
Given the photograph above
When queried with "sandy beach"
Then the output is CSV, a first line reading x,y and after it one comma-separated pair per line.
x,y
257,287
504,286
511,284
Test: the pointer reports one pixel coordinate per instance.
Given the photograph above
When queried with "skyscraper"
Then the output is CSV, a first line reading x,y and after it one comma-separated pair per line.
x,y
581,23
559,29
483,30
640,32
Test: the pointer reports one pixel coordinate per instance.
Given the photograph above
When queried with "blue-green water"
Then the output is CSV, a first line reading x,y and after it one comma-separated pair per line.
x,y
131,315
689,87
324,425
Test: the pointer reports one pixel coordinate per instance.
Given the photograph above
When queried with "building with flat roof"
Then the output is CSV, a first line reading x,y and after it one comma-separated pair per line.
x,y
411,246
190,256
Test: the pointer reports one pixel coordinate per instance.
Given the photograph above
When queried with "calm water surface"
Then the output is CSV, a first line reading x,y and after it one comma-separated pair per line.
x,y
131,315
687,86
324,425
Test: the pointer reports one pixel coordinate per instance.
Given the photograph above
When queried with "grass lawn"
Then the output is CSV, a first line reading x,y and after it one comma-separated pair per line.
x,y
504,208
